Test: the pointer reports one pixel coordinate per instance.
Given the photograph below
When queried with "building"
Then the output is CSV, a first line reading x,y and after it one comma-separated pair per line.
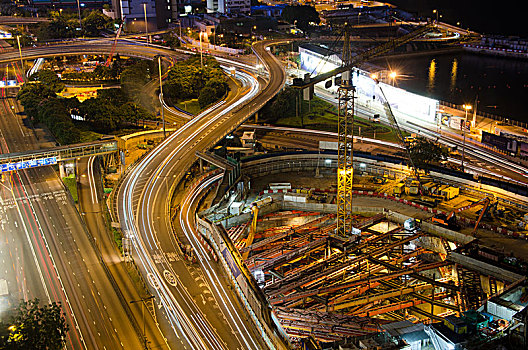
x,y
234,7
158,13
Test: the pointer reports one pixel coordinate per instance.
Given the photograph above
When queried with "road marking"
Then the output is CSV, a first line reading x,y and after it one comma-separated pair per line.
x,y
169,277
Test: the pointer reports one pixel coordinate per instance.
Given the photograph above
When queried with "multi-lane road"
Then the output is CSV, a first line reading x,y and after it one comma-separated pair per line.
x,y
51,255
143,201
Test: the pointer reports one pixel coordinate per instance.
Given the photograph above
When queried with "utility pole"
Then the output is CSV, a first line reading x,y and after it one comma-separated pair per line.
x,y
142,301
161,97
466,108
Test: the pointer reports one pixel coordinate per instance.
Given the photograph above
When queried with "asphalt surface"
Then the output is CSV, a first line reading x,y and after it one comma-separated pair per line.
x,y
181,291
52,257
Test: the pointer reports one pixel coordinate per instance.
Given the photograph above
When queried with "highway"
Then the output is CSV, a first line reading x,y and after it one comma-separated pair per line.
x,y
143,207
94,46
52,256
93,210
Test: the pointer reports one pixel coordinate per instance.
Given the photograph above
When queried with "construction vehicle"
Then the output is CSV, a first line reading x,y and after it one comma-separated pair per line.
x,y
449,220
252,229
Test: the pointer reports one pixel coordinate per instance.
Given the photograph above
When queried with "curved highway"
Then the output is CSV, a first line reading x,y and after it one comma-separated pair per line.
x,y
143,201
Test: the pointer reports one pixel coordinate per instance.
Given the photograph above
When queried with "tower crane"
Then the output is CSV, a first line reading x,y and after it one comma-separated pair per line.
x,y
346,109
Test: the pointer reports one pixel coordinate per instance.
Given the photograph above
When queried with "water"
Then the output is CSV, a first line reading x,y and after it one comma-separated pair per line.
x,y
499,84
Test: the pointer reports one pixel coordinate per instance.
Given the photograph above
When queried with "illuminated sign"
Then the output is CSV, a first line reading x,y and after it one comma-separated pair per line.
x,y
27,164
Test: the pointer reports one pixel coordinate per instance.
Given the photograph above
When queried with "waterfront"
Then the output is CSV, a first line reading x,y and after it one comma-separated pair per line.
x,y
501,84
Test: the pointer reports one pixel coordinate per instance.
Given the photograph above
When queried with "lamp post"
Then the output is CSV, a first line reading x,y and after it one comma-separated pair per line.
x,y
436,12
79,13
142,301
161,97
146,23
201,51
466,108
21,60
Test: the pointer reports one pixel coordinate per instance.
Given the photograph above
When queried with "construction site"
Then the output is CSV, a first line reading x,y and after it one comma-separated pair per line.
x,y
355,252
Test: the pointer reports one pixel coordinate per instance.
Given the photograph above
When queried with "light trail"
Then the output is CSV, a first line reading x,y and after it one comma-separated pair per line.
x,y
188,224
140,228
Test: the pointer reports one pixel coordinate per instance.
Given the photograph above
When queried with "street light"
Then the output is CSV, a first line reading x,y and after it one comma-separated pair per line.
x,y
466,108
21,60
146,23
201,50
142,301
436,12
161,97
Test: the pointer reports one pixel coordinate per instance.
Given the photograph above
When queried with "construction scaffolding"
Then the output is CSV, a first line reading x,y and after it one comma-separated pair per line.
x,y
328,287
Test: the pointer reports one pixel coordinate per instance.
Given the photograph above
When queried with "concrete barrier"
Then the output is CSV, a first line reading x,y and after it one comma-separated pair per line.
x,y
253,299
484,268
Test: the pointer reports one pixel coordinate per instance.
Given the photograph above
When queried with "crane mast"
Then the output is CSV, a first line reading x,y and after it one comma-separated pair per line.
x,y
346,109
345,145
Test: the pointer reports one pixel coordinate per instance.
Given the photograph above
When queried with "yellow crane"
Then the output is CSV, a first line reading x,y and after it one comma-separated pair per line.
x,y
346,109
252,230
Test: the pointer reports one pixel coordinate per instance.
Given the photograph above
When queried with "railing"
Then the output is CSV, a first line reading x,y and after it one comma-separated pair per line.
x,y
488,115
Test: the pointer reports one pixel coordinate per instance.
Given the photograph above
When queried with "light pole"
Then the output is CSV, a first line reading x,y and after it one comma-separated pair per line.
x,y
21,60
142,301
466,108
201,51
436,12
392,76
79,13
161,97
146,23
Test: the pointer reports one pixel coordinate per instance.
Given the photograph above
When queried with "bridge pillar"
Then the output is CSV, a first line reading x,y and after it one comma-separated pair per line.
x,y
256,117
62,171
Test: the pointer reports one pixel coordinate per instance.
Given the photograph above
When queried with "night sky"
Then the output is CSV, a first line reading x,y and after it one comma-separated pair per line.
x,y
487,17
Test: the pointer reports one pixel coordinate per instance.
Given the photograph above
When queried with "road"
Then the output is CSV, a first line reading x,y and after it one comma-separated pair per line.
x,y
94,46
93,209
52,256
479,160
143,203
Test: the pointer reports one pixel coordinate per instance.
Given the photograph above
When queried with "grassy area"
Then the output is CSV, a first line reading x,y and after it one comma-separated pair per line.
x,y
71,183
190,106
118,238
321,115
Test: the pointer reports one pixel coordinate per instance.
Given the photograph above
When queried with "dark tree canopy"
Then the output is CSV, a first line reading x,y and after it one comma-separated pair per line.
x,y
35,327
50,79
425,152
301,15
188,80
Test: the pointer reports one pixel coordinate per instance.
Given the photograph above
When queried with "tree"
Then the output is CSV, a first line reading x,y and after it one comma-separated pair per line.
x,y
50,79
207,96
283,105
36,327
95,22
424,152
302,15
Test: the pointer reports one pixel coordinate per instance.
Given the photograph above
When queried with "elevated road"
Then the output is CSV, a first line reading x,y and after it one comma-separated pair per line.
x,y
143,201
92,47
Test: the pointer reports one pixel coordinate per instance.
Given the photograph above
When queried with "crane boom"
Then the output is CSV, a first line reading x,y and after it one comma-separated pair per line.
x,y
365,56
394,124
115,43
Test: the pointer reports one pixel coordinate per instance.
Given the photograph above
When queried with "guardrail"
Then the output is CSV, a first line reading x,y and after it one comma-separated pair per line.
x,y
246,288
